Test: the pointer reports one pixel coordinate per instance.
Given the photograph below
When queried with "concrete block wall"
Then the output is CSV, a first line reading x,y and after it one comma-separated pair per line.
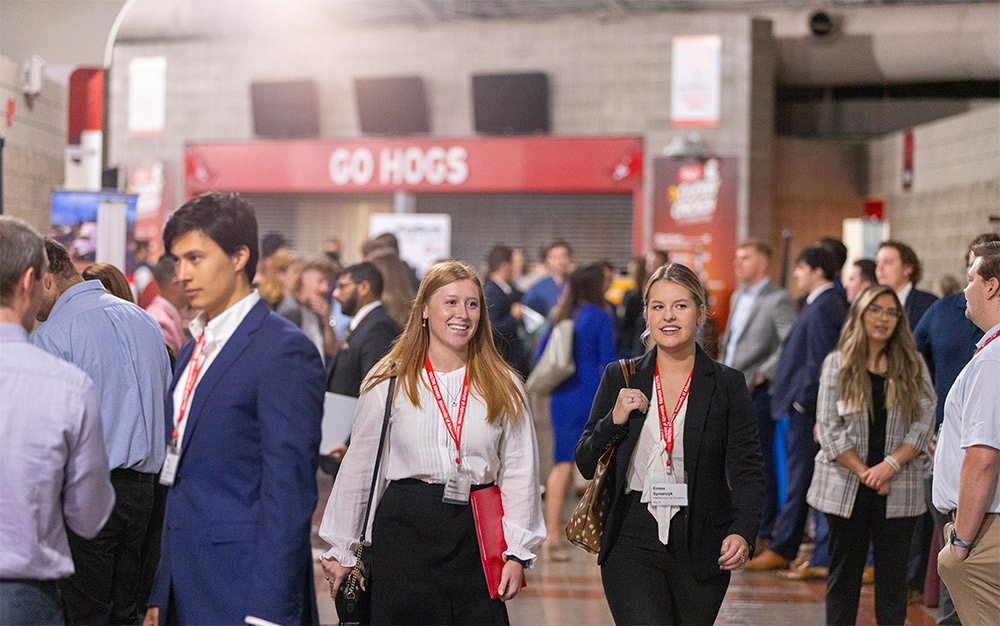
x,y
607,77
34,148
956,187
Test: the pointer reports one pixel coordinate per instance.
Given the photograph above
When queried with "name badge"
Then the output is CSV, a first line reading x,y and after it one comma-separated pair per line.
x,y
663,493
169,470
457,489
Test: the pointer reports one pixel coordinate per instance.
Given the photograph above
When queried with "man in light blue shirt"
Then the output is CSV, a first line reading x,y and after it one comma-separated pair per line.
x,y
121,349
53,468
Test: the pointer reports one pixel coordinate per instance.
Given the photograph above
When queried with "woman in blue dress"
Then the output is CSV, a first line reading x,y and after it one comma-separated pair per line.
x,y
593,349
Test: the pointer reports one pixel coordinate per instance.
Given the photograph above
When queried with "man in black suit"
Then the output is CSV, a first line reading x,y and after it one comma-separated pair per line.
x,y
795,390
504,307
897,266
369,337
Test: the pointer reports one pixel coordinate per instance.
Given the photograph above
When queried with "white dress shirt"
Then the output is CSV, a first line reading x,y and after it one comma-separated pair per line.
x,y
418,446
217,333
362,312
904,293
649,459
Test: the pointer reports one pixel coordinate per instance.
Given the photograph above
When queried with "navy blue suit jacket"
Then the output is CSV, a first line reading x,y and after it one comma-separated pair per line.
x,y
236,531
947,339
813,336
504,326
916,305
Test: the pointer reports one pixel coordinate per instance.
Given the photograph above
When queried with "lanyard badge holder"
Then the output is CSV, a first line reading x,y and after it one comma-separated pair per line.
x,y
458,486
173,457
664,492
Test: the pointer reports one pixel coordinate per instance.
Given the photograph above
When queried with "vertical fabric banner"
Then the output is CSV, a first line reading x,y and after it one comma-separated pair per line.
x,y
696,80
694,221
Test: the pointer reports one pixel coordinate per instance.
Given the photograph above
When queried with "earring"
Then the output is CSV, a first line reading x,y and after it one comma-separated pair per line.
x,y
425,323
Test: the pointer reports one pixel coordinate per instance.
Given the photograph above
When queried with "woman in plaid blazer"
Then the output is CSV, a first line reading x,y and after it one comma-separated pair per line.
x,y
875,415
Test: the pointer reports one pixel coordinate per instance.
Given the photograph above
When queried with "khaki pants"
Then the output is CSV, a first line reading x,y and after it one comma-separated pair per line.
x,y
975,582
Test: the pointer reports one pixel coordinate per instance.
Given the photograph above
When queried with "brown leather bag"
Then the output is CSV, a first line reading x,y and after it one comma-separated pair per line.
x,y
587,522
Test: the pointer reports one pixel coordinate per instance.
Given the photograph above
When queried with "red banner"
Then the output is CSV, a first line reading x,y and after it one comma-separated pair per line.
x,y
477,165
694,220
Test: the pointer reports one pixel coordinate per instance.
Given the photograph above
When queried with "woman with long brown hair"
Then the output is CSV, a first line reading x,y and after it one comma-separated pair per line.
x,y
593,349
459,422
874,418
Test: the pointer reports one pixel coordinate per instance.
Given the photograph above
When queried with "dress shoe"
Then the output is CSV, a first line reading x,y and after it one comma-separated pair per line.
x,y
555,553
805,572
868,576
761,545
767,560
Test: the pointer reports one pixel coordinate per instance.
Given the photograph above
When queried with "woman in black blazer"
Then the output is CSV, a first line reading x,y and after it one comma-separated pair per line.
x,y
685,489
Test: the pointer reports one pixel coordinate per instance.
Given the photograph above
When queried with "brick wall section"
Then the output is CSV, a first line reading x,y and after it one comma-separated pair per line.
x,y
34,147
608,76
956,187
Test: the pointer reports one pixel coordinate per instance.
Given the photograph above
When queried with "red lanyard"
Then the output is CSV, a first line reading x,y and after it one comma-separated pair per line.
x,y
456,434
995,335
668,426
192,378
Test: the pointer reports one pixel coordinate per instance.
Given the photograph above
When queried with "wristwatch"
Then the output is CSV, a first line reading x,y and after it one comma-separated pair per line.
x,y
511,557
955,541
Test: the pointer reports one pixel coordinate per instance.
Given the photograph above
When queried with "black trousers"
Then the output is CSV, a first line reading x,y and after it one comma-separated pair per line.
x,y
766,427
849,540
149,559
103,588
646,582
426,567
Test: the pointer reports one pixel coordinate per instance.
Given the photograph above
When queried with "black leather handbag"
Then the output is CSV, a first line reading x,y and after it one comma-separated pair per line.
x,y
354,604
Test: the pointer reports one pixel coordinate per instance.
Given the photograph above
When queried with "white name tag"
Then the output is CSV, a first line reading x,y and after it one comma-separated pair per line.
x,y
663,493
169,470
456,490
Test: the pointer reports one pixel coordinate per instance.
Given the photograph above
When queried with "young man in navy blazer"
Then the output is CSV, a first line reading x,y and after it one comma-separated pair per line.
x,y
244,412
897,265
796,388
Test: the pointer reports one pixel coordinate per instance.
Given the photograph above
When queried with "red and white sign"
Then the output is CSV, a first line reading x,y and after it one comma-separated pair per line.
x,y
694,220
477,165
696,80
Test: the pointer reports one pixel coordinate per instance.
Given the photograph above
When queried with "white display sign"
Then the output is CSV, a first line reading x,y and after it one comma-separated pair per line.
x,y
696,80
147,95
423,237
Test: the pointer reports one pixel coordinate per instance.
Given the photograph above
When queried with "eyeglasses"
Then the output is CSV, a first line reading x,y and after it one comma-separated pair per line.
x,y
888,313
343,284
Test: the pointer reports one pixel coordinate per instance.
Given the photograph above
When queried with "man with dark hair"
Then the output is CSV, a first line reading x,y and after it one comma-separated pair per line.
x,y
760,316
796,387
897,265
557,256
53,465
121,348
244,426
503,307
369,338
167,305
967,458
861,277
837,248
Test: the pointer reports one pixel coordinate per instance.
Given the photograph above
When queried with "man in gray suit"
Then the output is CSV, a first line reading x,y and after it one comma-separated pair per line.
x,y
760,316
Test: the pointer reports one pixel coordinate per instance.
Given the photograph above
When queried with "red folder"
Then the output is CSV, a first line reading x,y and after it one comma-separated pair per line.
x,y
487,509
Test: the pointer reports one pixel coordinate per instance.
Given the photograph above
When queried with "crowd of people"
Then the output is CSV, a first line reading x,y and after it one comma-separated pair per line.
x,y
162,438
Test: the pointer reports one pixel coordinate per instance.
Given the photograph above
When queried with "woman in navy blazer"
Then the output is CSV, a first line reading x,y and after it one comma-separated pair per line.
x,y
685,489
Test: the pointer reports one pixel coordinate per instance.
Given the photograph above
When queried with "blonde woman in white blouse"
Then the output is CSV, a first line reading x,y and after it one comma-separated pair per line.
x,y
426,566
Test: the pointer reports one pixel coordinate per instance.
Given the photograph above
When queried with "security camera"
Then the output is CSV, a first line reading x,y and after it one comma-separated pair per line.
x,y
822,24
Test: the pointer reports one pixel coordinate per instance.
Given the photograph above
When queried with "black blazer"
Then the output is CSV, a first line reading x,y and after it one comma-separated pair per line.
x,y
916,305
721,456
498,305
367,343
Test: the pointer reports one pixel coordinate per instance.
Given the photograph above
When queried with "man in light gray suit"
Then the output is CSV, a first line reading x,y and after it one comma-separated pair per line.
x,y
760,316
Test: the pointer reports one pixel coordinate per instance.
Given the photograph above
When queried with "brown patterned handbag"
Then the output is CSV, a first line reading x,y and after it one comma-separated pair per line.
x,y
587,522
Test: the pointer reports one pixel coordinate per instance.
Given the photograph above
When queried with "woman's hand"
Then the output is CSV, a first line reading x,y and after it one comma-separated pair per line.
x,y
335,574
734,553
628,400
878,477
152,616
510,580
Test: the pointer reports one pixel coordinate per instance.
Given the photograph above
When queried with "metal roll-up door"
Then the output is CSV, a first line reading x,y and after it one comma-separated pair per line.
x,y
598,227
276,213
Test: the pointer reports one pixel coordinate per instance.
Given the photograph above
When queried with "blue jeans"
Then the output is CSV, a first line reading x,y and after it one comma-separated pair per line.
x,y
26,601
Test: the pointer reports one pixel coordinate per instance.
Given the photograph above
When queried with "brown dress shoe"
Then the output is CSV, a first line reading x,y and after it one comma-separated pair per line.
x,y
805,573
767,560
868,576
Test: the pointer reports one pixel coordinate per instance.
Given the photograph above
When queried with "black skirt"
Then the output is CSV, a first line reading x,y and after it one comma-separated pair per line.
x,y
426,567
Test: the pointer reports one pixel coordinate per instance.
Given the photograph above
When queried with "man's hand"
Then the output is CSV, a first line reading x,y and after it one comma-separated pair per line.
x,y
515,311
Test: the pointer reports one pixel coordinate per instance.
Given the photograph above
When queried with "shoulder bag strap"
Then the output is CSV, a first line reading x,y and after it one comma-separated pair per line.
x,y
378,455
